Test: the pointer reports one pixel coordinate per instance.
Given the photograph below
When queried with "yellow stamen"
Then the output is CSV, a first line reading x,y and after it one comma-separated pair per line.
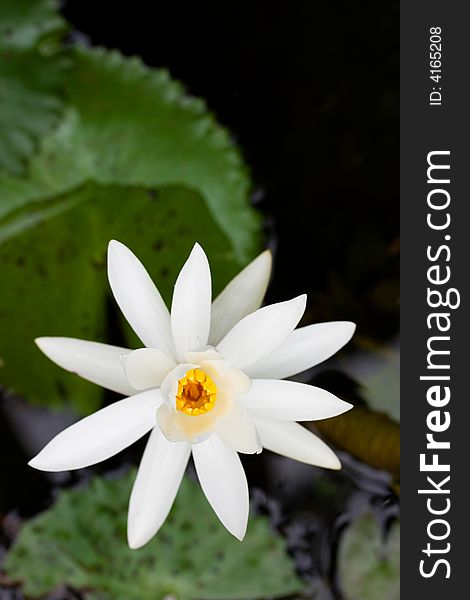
x,y
196,394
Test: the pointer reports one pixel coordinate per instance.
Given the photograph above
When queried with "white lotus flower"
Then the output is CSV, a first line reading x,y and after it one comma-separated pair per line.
x,y
206,383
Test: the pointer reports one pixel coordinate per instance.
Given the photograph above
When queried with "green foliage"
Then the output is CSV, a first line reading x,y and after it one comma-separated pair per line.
x,y
381,380
30,78
81,541
369,566
96,146
131,125
27,24
370,436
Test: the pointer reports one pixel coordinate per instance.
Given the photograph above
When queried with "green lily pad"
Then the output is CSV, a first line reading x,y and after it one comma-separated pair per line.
x,y
31,75
131,125
58,266
369,566
27,24
81,542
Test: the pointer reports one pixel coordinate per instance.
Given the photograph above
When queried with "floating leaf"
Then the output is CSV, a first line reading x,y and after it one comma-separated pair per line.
x,y
31,75
58,266
369,566
81,542
26,24
370,436
131,125
377,367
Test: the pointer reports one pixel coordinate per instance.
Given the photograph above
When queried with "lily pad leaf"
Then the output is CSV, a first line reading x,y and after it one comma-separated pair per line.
x,y
58,266
131,125
81,542
27,24
32,66
369,565
31,105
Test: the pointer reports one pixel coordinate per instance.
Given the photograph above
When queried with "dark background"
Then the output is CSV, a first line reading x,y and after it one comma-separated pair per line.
x,y
310,92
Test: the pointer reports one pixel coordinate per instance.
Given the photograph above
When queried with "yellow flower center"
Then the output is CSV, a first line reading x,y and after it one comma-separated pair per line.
x,y
196,393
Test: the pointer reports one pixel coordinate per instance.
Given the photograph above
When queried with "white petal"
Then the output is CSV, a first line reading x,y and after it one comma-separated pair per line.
x,y
158,479
258,334
96,362
207,353
239,433
303,349
147,367
295,441
178,427
233,381
191,306
138,298
242,296
101,435
167,421
292,401
223,481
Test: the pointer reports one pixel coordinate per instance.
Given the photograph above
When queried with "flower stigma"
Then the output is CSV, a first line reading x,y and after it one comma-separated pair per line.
x,y
196,394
